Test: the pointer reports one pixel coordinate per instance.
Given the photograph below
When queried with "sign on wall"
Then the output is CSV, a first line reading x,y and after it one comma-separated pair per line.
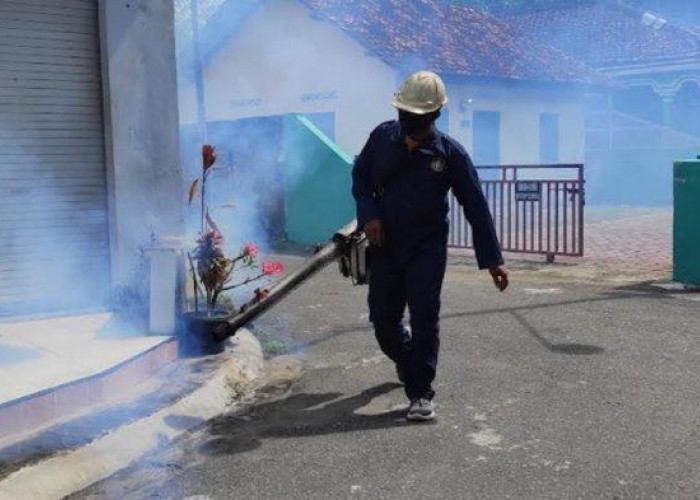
x,y
528,191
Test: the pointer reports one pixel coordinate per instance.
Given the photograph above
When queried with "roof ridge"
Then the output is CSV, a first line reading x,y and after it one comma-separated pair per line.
x,y
622,4
671,22
607,32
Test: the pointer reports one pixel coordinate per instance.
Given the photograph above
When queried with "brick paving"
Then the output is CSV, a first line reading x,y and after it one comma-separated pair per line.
x,y
630,247
640,243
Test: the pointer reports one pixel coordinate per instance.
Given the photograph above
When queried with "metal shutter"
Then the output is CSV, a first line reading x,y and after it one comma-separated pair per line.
x,y
54,244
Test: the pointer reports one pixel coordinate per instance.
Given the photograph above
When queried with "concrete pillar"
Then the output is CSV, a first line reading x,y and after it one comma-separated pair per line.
x,y
198,72
163,289
146,193
667,108
667,99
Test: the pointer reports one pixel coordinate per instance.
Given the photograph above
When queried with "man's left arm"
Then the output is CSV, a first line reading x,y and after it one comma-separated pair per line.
x,y
464,181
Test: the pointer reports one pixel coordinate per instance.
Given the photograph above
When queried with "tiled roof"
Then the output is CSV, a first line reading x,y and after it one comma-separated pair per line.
x,y
407,34
449,39
605,33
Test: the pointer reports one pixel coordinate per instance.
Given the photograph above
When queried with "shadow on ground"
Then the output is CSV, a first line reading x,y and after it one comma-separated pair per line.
x,y
174,381
300,415
11,354
637,291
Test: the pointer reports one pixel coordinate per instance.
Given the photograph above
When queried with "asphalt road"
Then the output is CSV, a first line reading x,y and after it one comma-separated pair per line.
x,y
554,389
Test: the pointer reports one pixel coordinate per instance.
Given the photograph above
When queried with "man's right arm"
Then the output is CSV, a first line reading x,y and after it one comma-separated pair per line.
x,y
367,206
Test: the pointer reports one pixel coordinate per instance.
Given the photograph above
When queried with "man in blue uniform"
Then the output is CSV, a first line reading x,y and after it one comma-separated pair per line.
x,y
400,183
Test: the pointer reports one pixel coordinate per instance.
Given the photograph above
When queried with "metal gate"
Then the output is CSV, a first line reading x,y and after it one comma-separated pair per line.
x,y
537,209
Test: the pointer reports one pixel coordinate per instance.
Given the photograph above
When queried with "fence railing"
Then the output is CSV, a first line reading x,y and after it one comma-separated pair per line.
x,y
537,209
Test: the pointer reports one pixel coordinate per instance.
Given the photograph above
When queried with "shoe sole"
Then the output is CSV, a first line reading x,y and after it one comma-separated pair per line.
x,y
421,418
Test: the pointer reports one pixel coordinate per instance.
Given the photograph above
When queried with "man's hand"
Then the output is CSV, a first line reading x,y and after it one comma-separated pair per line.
x,y
500,277
374,230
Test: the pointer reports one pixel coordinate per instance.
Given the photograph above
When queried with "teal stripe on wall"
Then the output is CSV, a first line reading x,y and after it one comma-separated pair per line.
x,y
318,180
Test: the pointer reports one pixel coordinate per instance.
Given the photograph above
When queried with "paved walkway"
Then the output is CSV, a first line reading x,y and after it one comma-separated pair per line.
x,y
71,353
553,390
640,243
629,245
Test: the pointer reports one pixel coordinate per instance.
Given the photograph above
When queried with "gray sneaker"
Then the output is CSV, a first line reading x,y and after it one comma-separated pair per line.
x,y
421,410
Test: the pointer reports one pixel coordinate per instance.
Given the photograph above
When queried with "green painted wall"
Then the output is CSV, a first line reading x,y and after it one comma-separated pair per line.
x,y
318,180
686,229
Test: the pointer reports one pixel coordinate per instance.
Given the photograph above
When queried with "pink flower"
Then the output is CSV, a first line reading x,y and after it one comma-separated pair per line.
x,y
272,268
250,250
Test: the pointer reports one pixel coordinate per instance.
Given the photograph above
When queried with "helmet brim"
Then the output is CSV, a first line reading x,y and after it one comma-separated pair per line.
x,y
415,109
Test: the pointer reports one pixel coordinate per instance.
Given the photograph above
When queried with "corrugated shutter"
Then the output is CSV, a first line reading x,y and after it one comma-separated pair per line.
x,y
54,244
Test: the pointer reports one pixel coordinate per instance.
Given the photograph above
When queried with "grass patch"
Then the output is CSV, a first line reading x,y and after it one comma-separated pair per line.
x,y
272,344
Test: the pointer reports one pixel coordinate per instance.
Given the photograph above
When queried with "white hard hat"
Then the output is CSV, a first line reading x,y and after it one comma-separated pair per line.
x,y
422,93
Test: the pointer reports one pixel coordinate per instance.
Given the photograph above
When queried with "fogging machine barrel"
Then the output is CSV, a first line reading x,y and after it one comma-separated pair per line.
x,y
324,256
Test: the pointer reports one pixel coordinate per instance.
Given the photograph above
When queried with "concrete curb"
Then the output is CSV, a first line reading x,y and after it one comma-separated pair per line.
x,y
31,413
63,475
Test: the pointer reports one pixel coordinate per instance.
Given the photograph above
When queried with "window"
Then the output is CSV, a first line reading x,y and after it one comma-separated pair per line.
x,y
487,137
549,138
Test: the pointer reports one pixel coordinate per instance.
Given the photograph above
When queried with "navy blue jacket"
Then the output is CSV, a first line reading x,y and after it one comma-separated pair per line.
x,y
407,190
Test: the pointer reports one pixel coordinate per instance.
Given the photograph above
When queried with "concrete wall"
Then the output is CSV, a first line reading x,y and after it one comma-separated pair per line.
x,y
276,66
141,120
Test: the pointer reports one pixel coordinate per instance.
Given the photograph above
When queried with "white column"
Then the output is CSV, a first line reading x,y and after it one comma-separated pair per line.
x,y
141,120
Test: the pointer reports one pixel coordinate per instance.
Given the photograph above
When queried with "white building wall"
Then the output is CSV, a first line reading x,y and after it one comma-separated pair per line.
x,y
284,61
520,110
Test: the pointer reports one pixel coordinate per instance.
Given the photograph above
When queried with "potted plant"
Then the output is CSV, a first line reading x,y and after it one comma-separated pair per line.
x,y
213,273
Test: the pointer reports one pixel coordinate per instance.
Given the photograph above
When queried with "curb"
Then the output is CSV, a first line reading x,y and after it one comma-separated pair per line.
x,y
64,475
32,412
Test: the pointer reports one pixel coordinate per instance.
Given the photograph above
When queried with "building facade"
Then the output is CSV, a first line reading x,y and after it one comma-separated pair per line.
x,y
330,63
88,149
651,115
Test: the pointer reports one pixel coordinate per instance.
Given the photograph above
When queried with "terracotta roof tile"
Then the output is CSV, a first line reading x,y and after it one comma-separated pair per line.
x,y
450,39
604,33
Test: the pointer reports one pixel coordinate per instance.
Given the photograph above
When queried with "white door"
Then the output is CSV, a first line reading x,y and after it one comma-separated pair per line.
x,y
54,243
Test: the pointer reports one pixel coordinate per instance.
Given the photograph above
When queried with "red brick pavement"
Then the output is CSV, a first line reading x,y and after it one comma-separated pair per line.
x,y
642,243
636,247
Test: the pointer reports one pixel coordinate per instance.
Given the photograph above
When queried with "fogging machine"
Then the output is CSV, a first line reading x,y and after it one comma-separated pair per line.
x,y
348,246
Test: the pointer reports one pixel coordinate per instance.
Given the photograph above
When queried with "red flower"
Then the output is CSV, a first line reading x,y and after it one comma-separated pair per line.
x,y
208,156
250,250
216,238
272,268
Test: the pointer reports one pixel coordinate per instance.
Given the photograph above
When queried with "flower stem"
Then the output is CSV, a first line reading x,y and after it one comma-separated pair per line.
x,y
194,282
204,194
247,281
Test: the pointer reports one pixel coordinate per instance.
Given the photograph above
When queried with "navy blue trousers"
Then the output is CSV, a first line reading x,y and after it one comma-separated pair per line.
x,y
399,278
